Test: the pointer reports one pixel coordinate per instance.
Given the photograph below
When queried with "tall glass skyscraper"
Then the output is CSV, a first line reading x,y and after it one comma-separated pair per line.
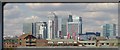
x,y
27,27
51,29
73,29
109,30
70,18
40,30
56,26
37,29
53,26
79,20
63,26
74,26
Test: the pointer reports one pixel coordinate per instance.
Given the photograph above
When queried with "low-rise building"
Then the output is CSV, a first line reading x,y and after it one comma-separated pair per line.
x,y
109,42
87,43
27,40
41,42
10,42
62,42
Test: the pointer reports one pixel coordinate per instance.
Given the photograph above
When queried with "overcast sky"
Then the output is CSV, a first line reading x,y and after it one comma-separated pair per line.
x,y
94,15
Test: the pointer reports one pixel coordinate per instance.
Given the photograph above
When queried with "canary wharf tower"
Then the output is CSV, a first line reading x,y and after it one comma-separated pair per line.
x,y
53,26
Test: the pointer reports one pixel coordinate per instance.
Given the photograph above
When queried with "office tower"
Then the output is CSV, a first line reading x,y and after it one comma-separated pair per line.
x,y
73,29
78,19
50,29
74,26
109,30
63,26
40,30
34,29
53,26
70,18
27,27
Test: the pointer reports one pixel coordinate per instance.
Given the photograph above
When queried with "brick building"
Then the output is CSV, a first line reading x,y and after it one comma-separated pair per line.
x,y
27,40
41,42
10,43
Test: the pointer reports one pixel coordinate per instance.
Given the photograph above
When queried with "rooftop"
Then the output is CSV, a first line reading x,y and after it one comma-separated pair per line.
x,y
62,40
23,36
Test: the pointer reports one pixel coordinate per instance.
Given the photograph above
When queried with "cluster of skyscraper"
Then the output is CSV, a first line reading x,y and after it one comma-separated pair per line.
x,y
37,29
70,27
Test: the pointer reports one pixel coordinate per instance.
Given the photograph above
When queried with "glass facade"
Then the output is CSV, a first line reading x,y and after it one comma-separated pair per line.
x,y
109,30
70,18
27,27
41,29
63,26
73,27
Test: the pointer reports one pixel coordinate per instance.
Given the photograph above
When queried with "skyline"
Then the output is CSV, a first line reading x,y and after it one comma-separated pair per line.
x,y
94,14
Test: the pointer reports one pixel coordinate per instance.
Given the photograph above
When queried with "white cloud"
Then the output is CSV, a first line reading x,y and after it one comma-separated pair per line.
x,y
101,6
12,11
38,5
92,13
34,5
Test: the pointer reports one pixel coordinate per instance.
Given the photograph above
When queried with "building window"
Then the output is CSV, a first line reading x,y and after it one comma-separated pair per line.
x,y
93,43
85,43
107,43
88,43
102,43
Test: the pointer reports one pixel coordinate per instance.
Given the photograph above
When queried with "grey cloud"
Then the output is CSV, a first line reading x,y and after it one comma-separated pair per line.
x,y
15,18
68,7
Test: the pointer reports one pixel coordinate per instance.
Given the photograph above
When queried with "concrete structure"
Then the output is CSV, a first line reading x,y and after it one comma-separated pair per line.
x,y
109,42
109,30
98,43
40,30
50,29
62,42
53,26
87,43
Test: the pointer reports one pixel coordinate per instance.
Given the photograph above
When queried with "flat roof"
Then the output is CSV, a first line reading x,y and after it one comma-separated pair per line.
x,y
62,40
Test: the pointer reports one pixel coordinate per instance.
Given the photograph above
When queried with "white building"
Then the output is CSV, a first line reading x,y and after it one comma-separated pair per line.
x,y
53,26
50,29
40,30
